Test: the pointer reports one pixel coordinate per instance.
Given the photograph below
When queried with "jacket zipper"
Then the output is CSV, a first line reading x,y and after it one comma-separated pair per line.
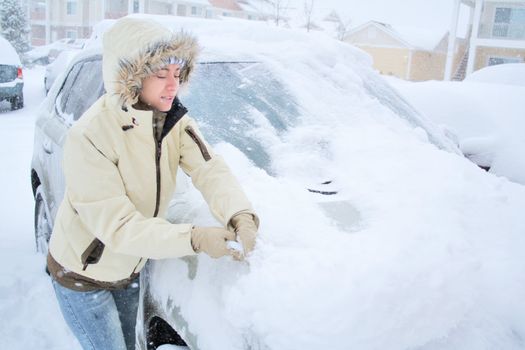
x,y
158,152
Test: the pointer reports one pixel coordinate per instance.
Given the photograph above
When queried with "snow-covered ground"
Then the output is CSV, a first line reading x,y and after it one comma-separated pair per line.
x,y
435,262
30,318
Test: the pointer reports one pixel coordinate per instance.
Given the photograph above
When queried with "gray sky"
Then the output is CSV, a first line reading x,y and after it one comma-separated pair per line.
x,y
430,14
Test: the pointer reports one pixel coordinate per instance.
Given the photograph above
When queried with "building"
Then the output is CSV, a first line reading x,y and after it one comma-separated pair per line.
x,y
404,52
497,35
52,20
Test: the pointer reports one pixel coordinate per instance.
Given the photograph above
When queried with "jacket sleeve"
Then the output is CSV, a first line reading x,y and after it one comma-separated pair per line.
x,y
211,175
97,194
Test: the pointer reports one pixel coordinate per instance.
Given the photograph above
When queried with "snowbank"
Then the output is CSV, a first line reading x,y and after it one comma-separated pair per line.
x,y
510,73
487,118
435,238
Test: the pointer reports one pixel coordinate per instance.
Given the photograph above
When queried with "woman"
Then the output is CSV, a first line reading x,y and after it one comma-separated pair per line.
x,y
120,164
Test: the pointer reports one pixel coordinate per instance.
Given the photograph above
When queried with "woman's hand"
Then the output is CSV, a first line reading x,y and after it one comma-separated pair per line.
x,y
246,230
212,241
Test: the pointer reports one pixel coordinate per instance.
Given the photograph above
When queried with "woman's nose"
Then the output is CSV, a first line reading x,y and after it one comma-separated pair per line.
x,y
172,82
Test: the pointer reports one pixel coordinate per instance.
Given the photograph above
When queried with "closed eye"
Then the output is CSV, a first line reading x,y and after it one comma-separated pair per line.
x,y
164,77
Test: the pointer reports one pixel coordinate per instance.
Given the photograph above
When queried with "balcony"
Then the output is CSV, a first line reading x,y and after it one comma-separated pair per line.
x,y
504,31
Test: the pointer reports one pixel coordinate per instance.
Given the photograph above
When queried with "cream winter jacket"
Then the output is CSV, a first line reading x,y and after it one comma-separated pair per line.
x,y
120,179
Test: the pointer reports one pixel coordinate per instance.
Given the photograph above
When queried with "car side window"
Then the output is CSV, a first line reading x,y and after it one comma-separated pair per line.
x,y
63,95
82,90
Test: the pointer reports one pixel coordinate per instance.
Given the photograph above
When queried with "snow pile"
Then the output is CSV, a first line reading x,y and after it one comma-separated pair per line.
x,y
30,318
9,55
487,118
423,266
510,73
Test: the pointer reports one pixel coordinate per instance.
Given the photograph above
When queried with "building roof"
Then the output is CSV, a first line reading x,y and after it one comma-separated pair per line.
x,y
412,37
420,38
255,6
201,2
226,4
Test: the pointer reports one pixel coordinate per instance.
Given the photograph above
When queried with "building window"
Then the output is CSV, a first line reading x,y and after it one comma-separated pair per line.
x,y
71,7
136,6
509,23
502,60
117,7
181,10
71,34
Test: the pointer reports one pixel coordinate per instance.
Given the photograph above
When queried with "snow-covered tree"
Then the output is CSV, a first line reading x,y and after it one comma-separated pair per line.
x,y
13,25
308,9
279,8
343,27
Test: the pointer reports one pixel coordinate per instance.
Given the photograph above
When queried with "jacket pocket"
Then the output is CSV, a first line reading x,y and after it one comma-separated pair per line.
x,y
92,253
202,146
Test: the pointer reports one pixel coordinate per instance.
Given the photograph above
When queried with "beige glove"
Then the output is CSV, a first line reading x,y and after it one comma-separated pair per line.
x,y
212,241
246,230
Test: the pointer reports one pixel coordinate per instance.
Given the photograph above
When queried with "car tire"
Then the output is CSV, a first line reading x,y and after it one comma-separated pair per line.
x,y
17,102
42,224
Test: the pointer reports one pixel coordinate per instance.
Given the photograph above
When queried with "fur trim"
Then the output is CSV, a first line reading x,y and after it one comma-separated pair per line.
x,y
150,59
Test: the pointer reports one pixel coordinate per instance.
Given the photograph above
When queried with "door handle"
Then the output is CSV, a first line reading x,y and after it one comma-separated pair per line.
x,y
47,145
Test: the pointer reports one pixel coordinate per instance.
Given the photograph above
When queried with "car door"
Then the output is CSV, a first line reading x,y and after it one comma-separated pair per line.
x,y
82,87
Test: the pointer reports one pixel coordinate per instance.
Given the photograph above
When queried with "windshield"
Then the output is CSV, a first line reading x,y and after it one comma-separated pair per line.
x,y
238,103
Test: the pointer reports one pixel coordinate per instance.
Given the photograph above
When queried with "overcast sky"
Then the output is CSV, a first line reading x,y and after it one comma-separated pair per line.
x,y
418,13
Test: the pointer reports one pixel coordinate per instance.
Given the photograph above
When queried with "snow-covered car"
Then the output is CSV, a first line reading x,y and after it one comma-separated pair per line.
x,y
46,54
368,238
484,112
57,67
11,76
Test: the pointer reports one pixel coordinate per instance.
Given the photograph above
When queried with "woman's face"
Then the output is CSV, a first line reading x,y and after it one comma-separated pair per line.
x,y
159,89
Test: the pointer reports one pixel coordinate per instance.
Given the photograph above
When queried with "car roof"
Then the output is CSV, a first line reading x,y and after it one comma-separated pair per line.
x,y
231,39
9,55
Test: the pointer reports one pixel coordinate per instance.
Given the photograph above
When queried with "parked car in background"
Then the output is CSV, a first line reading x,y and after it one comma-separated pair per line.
x,y
11,76
249,104
46,54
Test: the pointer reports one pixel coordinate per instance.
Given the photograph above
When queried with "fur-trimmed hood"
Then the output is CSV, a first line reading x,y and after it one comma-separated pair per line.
x,y
136,48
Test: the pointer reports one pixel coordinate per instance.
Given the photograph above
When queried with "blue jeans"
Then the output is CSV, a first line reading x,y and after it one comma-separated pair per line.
x,y
101,319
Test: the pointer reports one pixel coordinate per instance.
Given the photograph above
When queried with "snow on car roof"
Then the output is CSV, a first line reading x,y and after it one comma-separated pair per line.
x,y
234,38
9,55
289,54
